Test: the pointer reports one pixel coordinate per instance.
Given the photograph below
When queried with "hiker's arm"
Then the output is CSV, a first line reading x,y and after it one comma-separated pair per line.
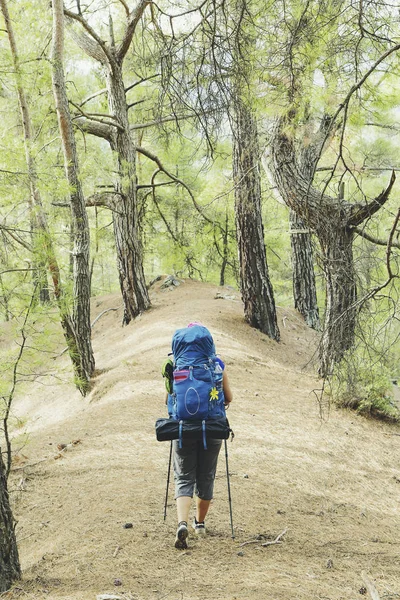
x,y
227,389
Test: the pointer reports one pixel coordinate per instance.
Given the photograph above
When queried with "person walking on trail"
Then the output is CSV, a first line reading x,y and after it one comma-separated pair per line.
x,y
194,461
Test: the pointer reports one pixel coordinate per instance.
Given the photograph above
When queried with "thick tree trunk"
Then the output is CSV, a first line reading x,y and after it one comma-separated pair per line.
x,y
304,289
333,221
117,133
341,295
126,215
10,570
256,288
79,330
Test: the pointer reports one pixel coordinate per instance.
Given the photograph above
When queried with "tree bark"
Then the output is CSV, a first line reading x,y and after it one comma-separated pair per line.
x,y
333,221
38,227
10,570
304,289
256,287
341,295
125,204
126,215
79,329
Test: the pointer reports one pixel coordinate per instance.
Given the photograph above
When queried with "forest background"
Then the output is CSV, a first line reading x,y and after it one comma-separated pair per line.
x,y
241,142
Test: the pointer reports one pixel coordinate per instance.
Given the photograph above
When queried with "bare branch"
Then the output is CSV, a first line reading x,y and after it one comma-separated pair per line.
x,y
361,82
10,231
99,119
133,85
10,396
160,121
126,7
359,214
374,240
95,95
155,158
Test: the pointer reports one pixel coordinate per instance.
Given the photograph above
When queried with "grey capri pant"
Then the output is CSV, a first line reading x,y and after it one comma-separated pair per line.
x,y
195,466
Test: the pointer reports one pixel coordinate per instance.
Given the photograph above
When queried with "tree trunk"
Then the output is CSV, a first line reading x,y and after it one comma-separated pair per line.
x,y
35,202
341,295
10,570
333,220
80,330
256,288
224,251
304,289
126,215
117,132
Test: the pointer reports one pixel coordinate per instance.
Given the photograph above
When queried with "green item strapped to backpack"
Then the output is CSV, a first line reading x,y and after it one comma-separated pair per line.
x,y
167,371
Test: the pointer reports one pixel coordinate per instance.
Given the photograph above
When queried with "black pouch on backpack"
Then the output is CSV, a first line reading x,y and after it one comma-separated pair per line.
x,y
169,429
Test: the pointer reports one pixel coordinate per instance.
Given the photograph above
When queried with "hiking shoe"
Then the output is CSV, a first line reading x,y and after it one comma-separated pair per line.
x,y
181,535
199,528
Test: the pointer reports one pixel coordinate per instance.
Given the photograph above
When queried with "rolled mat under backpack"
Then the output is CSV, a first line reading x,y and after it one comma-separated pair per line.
x,y
172,429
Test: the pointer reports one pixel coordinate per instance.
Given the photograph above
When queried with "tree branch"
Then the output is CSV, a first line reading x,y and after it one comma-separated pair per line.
x,y
94,127
359,214
374,240
155,158
126,7
9,231
95,95
360,83
133,20
98,119
92,44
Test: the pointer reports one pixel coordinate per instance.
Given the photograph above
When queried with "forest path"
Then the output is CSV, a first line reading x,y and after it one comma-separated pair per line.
x,y
332,485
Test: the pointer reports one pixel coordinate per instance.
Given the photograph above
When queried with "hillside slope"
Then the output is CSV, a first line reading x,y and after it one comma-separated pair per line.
x,y
331,485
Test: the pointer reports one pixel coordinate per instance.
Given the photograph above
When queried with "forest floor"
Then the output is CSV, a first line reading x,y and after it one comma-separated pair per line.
x,y
326,481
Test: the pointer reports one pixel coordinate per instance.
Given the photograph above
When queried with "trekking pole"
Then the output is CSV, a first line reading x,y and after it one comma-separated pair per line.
x,y
169,471
229,489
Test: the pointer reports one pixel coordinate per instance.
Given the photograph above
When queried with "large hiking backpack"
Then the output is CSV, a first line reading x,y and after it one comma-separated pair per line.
x,y
197,391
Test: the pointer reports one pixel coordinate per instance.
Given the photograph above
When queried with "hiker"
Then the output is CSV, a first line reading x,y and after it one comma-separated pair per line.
x,y
195,462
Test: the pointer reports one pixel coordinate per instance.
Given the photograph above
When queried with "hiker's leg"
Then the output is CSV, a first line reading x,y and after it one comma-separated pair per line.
x,y
202,507
185,477
183,504
205,476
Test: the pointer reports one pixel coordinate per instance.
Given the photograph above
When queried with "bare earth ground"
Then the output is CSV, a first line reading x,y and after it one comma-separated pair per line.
x,y
333,484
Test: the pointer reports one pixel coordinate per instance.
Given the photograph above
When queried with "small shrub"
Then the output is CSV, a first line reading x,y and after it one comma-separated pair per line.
x,y
366,388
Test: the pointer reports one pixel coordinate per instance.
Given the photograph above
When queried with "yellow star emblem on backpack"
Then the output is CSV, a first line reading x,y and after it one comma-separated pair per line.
x,y
214,394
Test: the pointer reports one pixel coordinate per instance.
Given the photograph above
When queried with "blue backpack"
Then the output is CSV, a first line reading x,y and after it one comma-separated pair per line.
x,y
197,390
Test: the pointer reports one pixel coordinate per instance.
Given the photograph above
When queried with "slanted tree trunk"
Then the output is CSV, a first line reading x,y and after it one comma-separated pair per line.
x,y
44,245
304,289
116,131
35,202
256,287
80,330
333,221
10,570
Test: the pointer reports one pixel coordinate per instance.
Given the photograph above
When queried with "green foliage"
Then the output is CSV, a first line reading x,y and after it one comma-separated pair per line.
x,y
363,382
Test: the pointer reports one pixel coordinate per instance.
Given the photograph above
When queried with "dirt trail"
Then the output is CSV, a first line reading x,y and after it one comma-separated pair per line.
x,y
332,485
